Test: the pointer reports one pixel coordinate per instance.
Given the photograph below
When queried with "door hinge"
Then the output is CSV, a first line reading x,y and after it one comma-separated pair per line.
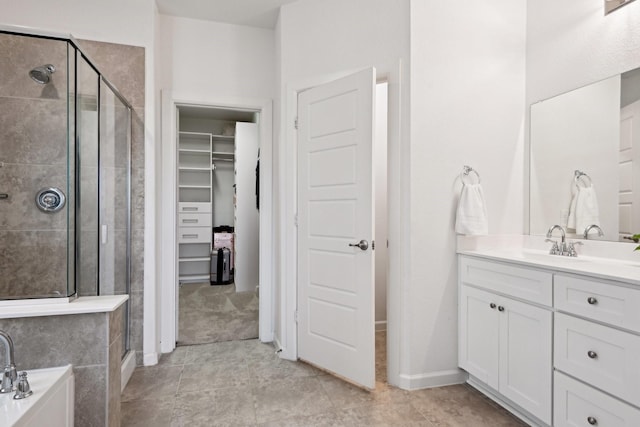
x,y
295,220
373,245
295,123
295,316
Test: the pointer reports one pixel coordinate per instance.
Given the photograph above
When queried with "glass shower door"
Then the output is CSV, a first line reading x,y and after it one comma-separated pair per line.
x,y
34,169
115,134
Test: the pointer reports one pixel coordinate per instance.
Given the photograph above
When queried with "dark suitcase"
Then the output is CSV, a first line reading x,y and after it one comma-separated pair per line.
x,y
220,267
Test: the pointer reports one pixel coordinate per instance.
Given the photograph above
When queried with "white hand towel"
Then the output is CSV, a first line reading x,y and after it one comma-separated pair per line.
x,y
571,221
471,216
587,211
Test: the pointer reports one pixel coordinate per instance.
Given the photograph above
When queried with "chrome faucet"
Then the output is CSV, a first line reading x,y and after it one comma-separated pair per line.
x,y
589,228
10,374
563,246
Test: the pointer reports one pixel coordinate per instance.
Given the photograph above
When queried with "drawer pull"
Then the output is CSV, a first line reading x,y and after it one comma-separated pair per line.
x,y
492,305
189,236
189,208
592,421
592,300
189,221
592,354
500,308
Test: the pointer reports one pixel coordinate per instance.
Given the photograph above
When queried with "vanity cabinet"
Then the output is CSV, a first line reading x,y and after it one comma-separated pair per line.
x,y
597,351
504,342
531,336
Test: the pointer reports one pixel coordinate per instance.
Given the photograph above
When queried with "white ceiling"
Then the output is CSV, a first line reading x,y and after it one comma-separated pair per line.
x,y
254,13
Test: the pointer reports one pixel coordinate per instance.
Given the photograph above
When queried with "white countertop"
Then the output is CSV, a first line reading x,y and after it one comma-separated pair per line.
x,y
81,305
529,252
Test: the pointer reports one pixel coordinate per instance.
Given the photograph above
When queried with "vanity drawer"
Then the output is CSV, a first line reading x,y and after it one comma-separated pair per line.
x,y
191,207
194,220
577,404
599,355
194,235
616,305
520,282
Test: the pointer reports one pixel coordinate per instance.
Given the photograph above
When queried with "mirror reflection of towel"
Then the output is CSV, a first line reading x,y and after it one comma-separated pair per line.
x,y
587,211
471,216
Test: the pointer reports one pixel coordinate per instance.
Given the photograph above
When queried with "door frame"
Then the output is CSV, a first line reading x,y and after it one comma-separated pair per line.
x,y
397,179
168,230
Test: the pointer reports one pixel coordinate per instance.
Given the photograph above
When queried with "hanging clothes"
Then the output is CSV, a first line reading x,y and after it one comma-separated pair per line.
x,y
258,182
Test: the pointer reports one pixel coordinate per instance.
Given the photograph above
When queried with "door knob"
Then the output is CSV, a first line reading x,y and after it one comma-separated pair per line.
x,y
362,244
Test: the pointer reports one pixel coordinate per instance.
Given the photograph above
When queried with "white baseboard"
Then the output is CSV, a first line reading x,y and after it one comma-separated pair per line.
x,y
381,325
150,359
432,379
126,369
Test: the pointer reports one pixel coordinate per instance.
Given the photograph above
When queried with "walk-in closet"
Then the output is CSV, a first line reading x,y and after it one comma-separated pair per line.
x,y
218,224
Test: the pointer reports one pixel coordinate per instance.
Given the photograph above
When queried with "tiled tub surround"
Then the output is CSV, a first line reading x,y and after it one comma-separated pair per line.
x,y
33,252
86,333
580,315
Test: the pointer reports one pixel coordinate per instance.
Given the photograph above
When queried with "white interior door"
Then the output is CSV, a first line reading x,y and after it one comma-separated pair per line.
x,y
629,197
247,218
335,212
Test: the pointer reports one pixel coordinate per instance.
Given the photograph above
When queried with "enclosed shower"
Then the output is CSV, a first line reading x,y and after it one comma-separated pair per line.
x,y
65,138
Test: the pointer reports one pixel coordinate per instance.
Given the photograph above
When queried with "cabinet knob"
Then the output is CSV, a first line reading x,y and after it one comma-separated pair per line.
x,y
592,300
492,305
592,354
500,308
592,421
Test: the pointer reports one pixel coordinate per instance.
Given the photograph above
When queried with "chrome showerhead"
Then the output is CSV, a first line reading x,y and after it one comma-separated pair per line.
x,y
42,74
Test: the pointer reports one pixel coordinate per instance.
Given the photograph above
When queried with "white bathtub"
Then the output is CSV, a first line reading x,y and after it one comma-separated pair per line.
x,y
51,403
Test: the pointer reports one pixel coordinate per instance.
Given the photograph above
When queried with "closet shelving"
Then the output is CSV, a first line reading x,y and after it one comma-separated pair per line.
x,y
194,205
220,148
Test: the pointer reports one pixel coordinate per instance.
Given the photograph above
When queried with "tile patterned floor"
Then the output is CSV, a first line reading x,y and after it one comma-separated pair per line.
x,y
244,383
216,313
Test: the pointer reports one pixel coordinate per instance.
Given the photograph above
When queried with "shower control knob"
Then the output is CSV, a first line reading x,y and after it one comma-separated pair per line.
x,y
50,199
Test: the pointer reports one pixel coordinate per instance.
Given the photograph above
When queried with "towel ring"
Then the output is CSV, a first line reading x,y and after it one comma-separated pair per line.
x,y
465,173
578,174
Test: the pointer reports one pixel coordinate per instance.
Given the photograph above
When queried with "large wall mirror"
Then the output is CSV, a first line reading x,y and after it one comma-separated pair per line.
x,y
585,160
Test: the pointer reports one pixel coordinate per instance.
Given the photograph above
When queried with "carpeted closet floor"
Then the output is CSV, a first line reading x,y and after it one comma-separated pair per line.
x,y
210,314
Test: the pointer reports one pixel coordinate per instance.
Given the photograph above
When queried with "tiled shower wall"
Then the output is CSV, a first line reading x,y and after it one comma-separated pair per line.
x,y
124,67
33,155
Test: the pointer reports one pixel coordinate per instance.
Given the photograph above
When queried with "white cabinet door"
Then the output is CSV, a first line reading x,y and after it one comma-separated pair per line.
x,y
479,334
507,345
247,217
526,356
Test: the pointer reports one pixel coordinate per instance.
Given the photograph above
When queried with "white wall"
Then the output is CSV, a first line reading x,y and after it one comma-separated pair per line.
x,y
575,44
380,185
467,108
578,130
222,59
